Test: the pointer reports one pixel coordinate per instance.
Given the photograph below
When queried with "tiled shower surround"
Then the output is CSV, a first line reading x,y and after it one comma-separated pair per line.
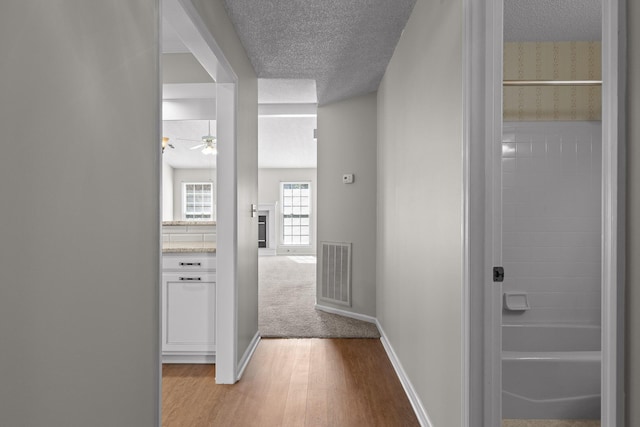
x,y
551,179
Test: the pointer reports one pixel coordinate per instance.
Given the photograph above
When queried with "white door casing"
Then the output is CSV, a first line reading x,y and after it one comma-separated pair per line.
x,y
483,129
194,33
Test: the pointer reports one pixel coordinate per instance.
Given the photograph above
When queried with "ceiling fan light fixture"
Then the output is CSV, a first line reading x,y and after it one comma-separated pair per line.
x,y
209,149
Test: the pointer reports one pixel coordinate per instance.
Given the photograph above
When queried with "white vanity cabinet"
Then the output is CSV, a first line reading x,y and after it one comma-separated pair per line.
x,y
188,308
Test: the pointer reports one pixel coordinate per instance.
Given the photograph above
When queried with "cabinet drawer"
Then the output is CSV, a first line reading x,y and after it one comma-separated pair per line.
x,y
195,262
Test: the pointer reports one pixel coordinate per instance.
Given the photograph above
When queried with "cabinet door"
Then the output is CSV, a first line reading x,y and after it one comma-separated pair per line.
x,y
189,320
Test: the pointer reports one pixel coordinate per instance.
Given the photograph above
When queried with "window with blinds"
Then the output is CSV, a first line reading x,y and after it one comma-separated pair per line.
x,y
296,213
197,203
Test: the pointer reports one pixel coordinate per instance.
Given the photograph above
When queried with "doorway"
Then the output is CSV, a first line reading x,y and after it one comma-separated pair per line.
x,y
287,175
185,27
511,299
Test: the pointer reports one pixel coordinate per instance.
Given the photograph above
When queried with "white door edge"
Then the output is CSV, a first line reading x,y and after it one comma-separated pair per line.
x,y
194,32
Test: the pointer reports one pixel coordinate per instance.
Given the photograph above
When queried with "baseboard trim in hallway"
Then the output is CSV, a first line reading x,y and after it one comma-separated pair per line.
x,y
346,313
415,401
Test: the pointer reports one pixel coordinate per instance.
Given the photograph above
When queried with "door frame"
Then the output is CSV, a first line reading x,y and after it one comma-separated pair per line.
x,y
197,37
483,23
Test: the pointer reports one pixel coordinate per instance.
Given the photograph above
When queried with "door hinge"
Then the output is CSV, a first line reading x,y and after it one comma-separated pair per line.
x,y
498,274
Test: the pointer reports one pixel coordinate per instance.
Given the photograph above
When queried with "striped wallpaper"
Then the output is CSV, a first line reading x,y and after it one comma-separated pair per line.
x,y
552,61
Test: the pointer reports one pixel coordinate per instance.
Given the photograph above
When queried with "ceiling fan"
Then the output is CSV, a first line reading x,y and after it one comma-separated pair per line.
x,y
207,143
165,143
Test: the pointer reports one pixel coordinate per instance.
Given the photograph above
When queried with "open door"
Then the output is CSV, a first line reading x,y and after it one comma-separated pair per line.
x,y
552,256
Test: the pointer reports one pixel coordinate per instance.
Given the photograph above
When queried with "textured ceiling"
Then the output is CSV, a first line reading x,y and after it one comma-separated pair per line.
x,y
552,20
344,45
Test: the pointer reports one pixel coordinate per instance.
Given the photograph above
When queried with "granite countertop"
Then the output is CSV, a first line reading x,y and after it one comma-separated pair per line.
x,y
188,247
188,223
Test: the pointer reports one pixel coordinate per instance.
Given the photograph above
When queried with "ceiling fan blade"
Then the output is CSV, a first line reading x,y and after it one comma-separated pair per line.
x,y
197,146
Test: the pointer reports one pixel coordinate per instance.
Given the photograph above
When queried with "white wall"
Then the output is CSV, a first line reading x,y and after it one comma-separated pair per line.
x,y
214,14
347,212
181,176
79,257
632,296
269,192
419,240
551,174
167,192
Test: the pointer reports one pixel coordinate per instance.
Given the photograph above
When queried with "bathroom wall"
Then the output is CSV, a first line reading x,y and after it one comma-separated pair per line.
x,y
552,61
551,220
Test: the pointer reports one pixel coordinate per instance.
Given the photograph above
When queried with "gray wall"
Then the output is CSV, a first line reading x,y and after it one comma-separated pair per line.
x,y
214,14
78,277
183,68
420,169
347,212
633,216
269,180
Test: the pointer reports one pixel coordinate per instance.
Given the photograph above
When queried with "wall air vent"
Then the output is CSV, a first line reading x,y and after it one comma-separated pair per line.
x,y
335,273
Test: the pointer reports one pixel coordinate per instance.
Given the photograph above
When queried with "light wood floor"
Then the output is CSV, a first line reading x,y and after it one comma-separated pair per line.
x,y
293,382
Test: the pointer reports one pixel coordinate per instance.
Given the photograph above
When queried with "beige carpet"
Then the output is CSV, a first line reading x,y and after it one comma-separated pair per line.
x,y
286,303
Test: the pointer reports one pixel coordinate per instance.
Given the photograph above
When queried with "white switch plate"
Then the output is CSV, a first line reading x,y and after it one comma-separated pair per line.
x,y
347,178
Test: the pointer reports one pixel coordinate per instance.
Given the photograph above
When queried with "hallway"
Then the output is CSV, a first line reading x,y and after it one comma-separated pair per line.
x,y
292,382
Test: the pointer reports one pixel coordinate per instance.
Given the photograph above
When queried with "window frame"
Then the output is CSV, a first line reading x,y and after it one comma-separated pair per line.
x,y
211,213
282,214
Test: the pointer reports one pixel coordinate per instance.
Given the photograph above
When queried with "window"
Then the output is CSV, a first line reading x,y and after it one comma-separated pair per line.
x,y
296,209
197,201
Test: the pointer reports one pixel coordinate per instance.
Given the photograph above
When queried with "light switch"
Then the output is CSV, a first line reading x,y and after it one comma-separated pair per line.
x,y
254,210
347,178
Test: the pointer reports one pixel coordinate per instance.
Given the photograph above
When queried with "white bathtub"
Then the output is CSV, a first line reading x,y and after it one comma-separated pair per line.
x,y
551,372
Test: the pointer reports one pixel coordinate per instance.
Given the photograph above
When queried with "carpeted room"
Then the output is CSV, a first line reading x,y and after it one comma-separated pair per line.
x,y
287,293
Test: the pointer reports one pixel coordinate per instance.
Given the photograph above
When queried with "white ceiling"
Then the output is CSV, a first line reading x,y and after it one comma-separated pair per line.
x,y
289,91
183,135
287,118
285,134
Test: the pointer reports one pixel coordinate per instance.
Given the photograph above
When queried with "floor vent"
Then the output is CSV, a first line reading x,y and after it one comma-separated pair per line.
x,y
335,273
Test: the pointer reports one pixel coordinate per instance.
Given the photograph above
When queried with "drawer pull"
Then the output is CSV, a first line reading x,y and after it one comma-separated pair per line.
x,y
191,279
190,264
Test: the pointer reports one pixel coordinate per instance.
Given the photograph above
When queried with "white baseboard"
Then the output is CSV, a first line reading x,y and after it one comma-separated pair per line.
x,y
267,252
416,403
188,358
246,357
346,313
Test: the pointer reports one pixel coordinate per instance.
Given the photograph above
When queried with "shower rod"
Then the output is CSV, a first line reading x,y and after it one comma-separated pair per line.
x,y
552,83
